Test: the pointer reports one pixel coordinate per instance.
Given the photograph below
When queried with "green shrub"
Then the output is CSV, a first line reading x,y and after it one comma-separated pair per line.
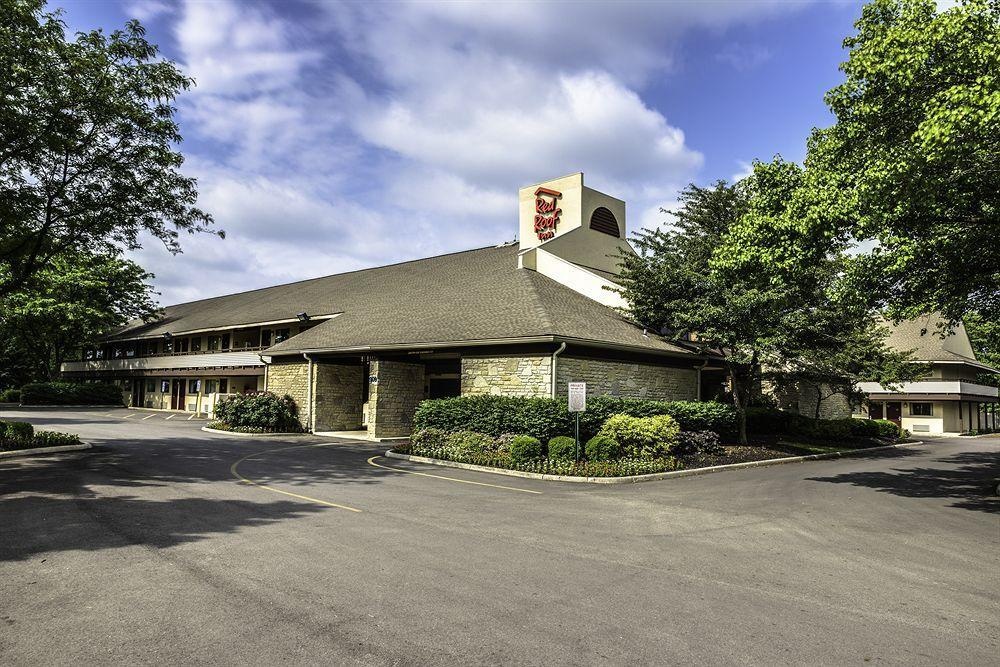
x,y
470,442
546,418
690,443
262,412
888,429
602,448
16,430
428,437
25,439
771,421
642,437
10,396
71,393
864,428
562,447
525,448
54,439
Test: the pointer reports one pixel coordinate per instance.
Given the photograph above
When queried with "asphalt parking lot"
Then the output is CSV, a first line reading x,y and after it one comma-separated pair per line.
x,y
167,544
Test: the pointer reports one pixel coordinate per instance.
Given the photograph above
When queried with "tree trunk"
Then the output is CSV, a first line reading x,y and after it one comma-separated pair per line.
x,y
740,400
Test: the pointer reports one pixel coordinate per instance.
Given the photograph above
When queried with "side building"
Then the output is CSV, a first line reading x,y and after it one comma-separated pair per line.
x,y
360,350
951,398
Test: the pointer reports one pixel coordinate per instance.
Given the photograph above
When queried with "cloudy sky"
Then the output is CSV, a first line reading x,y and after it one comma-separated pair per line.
x,y
330,136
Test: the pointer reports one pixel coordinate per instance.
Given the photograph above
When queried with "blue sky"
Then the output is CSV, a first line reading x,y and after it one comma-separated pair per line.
x,y
328,137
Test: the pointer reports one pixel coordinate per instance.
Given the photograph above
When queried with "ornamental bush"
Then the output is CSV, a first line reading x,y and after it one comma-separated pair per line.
x,y
642,437
470,442
888,429
546,418
71,393
865,428
602,448
562,447
525,448
16,430
10,396
690,443
262,411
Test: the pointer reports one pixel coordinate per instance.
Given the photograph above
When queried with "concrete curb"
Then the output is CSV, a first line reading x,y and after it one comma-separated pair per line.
x,y
635,479
44,450
250,435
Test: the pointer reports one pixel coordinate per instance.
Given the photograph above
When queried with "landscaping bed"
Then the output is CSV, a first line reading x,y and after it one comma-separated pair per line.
x,y
260,413
15,436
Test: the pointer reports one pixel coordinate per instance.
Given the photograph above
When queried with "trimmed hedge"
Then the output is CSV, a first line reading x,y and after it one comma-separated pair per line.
x,y
690,443
562,447
36,440
525,448
261,412
16,430
71,393
642,437
777,422
546,418
602,448
10,396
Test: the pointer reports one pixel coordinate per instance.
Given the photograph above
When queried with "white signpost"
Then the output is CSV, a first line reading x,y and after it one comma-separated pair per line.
x,y
577,404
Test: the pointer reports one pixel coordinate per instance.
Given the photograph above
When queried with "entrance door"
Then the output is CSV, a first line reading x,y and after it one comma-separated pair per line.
x,y
138,393
894,412
875,411
177,395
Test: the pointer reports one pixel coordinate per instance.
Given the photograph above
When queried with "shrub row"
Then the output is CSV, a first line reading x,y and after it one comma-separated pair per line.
x,y
261,412
776,422
71,393
21,435
10,396
546,418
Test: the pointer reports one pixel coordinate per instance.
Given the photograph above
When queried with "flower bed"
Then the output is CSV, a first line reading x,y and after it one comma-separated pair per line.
x,y
21,435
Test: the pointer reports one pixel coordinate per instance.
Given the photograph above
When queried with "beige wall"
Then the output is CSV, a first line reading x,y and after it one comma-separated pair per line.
x,y
628,379
507,376
291,378
831,407
337,392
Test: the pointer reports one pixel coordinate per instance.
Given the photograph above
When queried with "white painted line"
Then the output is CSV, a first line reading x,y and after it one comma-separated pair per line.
x,y
191,417
170,416
149,417
129,416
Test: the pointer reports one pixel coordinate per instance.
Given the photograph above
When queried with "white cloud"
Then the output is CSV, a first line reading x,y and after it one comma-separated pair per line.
x,y
147,10
745,169
743,57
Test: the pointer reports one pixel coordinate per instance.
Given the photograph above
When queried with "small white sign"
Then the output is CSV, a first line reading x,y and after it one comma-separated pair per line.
x,y
372,379
577,396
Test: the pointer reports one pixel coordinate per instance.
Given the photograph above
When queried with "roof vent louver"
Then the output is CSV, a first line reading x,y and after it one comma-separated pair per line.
x,y
603,220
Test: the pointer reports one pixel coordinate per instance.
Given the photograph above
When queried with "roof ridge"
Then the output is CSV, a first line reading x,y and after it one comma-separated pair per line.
x,y
343,273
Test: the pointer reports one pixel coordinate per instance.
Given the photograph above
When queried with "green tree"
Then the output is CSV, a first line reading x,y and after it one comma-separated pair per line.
x,y
984,334
913,160
87,144
68,306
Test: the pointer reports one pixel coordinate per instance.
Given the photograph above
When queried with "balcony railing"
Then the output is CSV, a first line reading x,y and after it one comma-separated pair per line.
x,y
954,387
206,359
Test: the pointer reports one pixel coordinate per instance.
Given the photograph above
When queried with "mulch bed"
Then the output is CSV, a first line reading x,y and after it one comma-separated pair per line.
x,y
744,454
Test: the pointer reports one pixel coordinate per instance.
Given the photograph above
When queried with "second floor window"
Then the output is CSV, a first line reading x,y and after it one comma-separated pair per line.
x,y
281,334
196,344
213,342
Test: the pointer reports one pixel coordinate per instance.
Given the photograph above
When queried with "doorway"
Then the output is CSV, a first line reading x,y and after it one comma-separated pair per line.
x,y
894,412
177,395
138,393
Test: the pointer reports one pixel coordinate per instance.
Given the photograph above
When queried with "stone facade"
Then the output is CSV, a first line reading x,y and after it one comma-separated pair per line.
x,y
627,379
291,378
337,395
831,407
507,376
394,398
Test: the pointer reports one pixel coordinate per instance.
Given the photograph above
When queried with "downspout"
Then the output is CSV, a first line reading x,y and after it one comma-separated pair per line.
x,y
562,347
309,393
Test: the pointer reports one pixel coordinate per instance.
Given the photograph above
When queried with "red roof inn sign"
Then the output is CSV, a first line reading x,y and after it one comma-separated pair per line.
x,y
546,212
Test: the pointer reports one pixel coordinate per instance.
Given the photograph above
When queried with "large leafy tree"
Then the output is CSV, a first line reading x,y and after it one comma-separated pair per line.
x,y
87,144
913,160
69,304
742,274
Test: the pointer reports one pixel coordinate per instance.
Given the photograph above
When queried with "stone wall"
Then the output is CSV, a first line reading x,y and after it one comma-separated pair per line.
x,y
291,378
627,379
337,392
507,376
831,407
394,398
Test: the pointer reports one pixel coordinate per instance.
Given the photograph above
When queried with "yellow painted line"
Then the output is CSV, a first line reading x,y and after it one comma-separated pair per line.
x,y
247,480
371,461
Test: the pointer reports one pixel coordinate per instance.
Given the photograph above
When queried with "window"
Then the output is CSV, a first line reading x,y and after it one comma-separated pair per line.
x,y
194,386
116,352
168,347
265,338
211,386
224,386
164,386
225,341
182,345
922,409
281,334
213,342
150,386
196,344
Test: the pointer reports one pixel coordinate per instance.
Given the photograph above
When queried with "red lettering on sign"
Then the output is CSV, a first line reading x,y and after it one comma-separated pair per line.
x,y
547,215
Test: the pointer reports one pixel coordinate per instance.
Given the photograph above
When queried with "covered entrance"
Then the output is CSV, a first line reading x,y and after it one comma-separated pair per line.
x,y
177,394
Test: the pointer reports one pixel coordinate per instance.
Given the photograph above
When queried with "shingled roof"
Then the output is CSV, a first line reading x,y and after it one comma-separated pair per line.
x,y
922,336
476,295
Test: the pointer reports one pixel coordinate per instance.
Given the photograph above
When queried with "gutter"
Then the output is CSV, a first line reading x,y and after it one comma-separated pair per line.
x,y
562,348
310,420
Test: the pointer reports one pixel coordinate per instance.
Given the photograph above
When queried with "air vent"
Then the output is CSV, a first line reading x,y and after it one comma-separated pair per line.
x,y
604,221
921,428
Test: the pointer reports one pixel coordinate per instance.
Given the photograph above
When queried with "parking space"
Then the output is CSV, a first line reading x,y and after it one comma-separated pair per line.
x,y
310,550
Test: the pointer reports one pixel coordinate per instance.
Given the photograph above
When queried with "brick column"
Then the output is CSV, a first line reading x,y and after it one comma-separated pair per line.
x,y
393,399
